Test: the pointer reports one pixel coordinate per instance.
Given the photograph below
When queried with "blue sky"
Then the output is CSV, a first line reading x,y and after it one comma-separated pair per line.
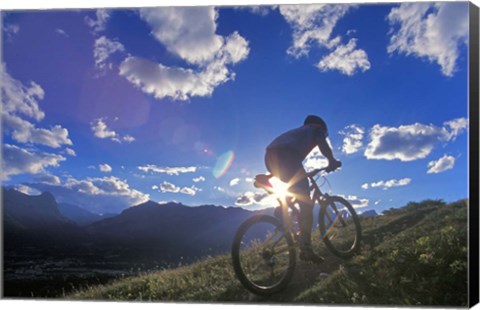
x,y
107,108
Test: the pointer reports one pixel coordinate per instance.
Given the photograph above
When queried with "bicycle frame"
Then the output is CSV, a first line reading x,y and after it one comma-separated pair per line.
x,y
317,196
323,199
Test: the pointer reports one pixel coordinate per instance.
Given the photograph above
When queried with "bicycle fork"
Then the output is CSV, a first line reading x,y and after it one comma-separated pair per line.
x,y
338,217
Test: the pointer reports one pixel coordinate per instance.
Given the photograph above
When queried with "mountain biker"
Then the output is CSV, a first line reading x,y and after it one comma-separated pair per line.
x,y
283,159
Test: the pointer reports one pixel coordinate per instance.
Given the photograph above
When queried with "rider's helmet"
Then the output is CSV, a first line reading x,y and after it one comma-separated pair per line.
x,y
316,121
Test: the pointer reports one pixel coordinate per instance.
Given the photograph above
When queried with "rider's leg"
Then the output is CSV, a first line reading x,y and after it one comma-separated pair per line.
x,y
305,219
289,168
283,164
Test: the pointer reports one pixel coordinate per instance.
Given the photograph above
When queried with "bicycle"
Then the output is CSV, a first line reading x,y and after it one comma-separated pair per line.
x,y
264,246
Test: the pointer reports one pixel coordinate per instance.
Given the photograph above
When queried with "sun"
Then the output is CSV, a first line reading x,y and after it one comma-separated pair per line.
x,y
280,189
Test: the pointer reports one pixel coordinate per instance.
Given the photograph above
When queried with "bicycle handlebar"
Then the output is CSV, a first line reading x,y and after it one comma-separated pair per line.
x,y
314,172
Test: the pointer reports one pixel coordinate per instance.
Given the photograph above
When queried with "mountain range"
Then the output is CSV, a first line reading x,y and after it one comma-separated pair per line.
x,y
165,232
81,216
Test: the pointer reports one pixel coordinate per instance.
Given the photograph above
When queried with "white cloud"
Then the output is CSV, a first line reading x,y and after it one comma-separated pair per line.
x,y
227,191
103,48
98,24
61,32
101,195
313,27
167,187
128,138
189,33
105,168
220,189
48,179
442,164
353,140
192,191
18,99
234,181
262,10
434,31
16,160
315,160
250,198
406,143
25,132
161,81
101,131
410,142
243,201
388,184
357,202
234,50
27,190
199,179
20,102
312,24
346,59
456,126
167,170
82,186
111,186
70,152
186,32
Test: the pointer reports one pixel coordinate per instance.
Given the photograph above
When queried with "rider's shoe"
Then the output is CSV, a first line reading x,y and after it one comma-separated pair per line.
x,y
308,256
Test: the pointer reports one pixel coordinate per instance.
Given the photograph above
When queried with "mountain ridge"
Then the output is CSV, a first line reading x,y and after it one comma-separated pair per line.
x,y
79,215
149,232
32,212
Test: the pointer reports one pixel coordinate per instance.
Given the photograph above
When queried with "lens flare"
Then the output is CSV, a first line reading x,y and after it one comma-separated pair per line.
x,y
280,189
223,163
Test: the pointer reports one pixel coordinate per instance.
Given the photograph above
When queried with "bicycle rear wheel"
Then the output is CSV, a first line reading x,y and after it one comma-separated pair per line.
x,y
263,255
339,227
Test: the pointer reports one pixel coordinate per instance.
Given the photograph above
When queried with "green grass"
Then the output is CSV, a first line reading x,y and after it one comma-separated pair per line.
x,y
416,256
210,279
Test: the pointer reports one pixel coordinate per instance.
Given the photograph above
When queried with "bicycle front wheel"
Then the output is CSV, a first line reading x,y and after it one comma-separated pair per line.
x,y
263,255
340,227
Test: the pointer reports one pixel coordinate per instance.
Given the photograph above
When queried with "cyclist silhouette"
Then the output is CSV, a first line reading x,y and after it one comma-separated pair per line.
x,y
283,159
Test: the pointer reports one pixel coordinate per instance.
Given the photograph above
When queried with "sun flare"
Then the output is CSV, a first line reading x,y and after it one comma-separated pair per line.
x,y
280,188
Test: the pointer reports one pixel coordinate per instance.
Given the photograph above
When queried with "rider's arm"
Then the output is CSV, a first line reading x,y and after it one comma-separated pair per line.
x,y
327,152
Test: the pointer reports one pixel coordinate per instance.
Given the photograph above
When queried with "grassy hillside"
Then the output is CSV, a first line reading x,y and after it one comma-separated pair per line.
x,y
416,255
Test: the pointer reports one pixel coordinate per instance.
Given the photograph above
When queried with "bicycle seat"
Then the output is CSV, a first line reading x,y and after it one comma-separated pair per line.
x,y
263,181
